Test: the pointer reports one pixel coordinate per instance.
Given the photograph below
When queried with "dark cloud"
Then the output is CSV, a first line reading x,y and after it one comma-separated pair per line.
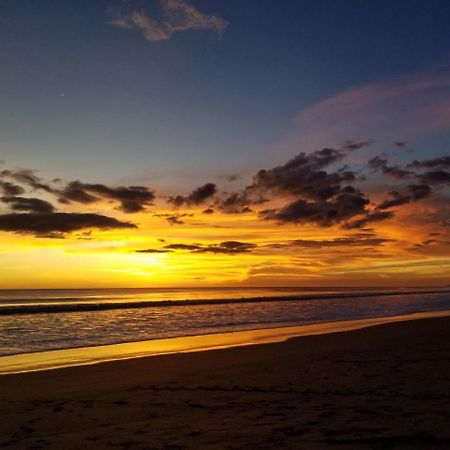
x,y
75,193
132,199
403,146
424,181
236,203
344,206
397,200
416,192
419,191
436,246
208,211
436,177
429,242
362,240
231,178
183,247
84,236
304,176
352,145
28,177
371,217
433,177
380,163
202,193
441,162
173,219
154,250
10,189
33,205
196,197
57,224
323,197
226,247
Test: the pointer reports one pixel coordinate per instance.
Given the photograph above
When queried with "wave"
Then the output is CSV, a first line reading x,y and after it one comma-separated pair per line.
x,y
105,306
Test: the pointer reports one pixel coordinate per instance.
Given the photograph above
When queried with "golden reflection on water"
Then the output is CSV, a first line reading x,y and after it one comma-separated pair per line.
x,y
30,362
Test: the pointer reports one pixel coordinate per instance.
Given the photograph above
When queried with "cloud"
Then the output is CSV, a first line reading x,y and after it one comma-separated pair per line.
x,y
323,197
34,205
425,180
361,240
380,163
419,191
154,250
324,213
28,178
132,199
236,203
57,224
173,219
402,145
182,16
304,175
441,162
406,106
232,177
416,192
397,200
225,247
176,16
151,29
436,177
183,247
371,217
10,189
196,197
228,247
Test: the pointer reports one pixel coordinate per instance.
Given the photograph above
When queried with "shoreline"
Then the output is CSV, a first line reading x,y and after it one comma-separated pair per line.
x,y
83,356
80,306
384,386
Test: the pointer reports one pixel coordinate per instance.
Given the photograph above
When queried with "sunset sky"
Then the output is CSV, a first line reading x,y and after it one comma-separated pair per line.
x,y
158,143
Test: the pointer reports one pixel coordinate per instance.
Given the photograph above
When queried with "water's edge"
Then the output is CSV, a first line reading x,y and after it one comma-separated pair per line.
x,y
58,359
105,306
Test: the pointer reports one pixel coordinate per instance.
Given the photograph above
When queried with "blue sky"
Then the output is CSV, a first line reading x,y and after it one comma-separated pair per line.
x,y
81,98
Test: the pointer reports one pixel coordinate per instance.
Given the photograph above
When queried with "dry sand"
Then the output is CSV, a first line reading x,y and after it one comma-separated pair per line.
x,y
385,387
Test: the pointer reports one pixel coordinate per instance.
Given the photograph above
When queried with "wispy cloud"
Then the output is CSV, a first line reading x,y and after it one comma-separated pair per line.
x,y
151,29
400,108
176,16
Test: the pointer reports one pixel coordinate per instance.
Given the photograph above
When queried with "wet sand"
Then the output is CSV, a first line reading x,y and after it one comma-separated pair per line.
x,y
383,387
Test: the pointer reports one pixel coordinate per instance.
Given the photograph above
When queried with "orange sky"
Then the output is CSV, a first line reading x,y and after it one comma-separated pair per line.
x,y
391,254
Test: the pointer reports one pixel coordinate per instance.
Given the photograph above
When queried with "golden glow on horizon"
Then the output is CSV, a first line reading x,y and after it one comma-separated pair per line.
x,y
109,258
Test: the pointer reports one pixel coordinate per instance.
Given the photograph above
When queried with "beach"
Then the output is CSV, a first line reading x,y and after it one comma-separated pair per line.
x,y
386,386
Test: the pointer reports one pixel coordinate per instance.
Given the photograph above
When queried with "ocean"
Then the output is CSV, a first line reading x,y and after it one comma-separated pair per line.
x,y
41,320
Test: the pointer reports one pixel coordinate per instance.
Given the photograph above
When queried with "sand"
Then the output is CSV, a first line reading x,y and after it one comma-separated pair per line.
x,y
387,387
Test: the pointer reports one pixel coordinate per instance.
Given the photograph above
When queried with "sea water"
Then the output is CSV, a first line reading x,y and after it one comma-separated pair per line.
x,y
41,320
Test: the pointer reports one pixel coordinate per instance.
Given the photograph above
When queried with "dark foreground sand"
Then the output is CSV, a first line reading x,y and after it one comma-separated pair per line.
x,y
385,387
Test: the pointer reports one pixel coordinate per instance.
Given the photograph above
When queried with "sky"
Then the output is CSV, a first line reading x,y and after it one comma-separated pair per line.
x,y
159,143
